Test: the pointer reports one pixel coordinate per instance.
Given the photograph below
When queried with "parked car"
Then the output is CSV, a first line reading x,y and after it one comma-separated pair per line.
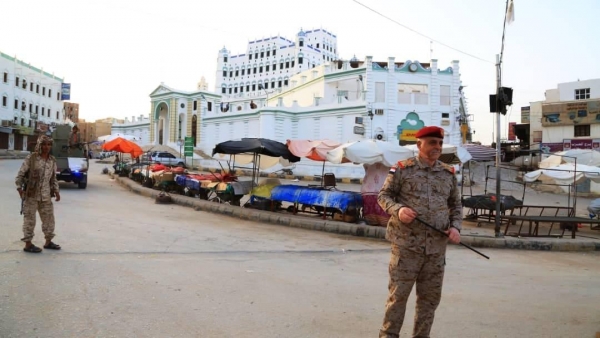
x,y
166,158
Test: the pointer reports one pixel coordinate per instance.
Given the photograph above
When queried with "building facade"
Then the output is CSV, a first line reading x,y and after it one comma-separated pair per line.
x,y
339,100
269,63
71,110
31,102
139,127
569,117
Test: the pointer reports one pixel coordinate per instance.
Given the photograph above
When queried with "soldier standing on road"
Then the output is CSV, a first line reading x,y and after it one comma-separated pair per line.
x,y
39,170
426,188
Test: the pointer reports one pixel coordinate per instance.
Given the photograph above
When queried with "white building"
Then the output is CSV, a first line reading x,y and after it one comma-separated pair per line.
x,y
137,126
568,118
31,100
268,63
331,101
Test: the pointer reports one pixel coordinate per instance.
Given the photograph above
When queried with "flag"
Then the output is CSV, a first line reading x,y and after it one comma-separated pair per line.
x,y
510,12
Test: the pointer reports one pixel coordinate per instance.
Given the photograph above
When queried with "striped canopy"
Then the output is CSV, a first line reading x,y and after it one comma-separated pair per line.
x,y
480,153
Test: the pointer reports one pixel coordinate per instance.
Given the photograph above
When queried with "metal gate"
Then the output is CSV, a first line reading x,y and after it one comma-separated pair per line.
x,y
18,142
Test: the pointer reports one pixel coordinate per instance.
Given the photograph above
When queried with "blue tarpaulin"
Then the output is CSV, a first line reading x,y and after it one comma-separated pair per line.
x,y
341,200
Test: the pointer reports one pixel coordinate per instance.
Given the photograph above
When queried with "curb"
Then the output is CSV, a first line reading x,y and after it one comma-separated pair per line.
x,y
343,228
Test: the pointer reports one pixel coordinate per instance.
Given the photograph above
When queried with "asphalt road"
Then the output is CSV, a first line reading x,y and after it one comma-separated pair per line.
x,y
132,268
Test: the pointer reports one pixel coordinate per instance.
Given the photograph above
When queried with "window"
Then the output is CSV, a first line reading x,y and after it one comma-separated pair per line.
x,y
256,55
285,82
267,68
24,84
231,73
23,106
379,91
195,105
293,62
582,94
229,90
268,53
266,85
273,84
281,65
237,73
43,111
4,101
273,52
241,89
247,88
254,70
31,108
16,104
243,72
224,73
5,78
235,89
582,130
31,86
250,56
44,91
300,60
253,87
37,89
262,54
444,95
445,115
260,69
37,109
274,67
223,90
225,58
57,96
317,45
287,64
57,114
209,106
301,43
49,92
16,81
279,84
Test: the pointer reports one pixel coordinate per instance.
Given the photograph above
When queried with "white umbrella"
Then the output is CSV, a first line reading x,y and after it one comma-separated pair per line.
x,y
369,152
584,156
108,138
566,173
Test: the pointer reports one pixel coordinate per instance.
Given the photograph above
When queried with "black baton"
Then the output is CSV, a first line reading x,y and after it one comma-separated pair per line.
x,y
445,234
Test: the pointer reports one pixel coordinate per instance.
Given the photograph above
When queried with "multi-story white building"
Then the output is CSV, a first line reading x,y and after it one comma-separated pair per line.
x,y
270,62
138,127
568,118
345,101
31,100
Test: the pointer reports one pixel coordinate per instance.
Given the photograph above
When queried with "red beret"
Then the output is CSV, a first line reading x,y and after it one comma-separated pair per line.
x,y
430,131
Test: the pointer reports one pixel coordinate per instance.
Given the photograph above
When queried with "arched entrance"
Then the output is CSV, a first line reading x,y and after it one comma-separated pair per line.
x,y
194,128
161,126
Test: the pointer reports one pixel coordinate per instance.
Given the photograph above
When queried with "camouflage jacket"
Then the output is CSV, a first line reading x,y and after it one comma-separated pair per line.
x,y
432,192
43,177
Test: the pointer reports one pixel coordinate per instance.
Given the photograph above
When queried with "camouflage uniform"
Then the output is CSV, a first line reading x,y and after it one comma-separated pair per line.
x,y
418,252
40,189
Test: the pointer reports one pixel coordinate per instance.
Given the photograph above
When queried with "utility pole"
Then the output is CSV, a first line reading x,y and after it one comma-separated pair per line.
x,y
498,147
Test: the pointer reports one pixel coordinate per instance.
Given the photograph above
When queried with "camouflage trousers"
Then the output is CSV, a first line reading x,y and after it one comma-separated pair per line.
x,y
46,211
407,267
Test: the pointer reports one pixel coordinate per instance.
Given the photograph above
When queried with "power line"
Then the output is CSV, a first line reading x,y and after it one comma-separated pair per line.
x,y
421,34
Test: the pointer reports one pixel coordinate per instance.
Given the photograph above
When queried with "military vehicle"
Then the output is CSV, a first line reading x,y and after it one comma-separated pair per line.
x,y
71,160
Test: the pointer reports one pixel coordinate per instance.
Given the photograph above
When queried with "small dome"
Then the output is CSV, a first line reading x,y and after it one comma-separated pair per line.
x,y
354,59
301,33
224,50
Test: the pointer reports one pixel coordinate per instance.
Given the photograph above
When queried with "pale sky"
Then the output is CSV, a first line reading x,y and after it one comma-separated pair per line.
x,y
116,52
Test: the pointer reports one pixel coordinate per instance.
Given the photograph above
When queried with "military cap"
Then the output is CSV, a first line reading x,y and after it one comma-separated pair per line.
x,y
431,131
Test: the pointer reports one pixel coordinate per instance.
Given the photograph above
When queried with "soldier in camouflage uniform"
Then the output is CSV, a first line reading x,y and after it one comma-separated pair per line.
x,y
425,187
39,171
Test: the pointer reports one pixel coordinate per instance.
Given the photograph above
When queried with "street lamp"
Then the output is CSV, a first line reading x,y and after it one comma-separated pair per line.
x,y
179,143
260,87
370,115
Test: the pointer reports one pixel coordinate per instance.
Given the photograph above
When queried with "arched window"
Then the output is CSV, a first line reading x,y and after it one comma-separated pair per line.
x,y
300,58
262,53
267,66
224,71
237,71
260,68
243,70
223,89
194,128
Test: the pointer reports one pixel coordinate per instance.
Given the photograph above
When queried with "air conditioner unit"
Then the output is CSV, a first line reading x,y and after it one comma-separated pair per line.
x,y
6,123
